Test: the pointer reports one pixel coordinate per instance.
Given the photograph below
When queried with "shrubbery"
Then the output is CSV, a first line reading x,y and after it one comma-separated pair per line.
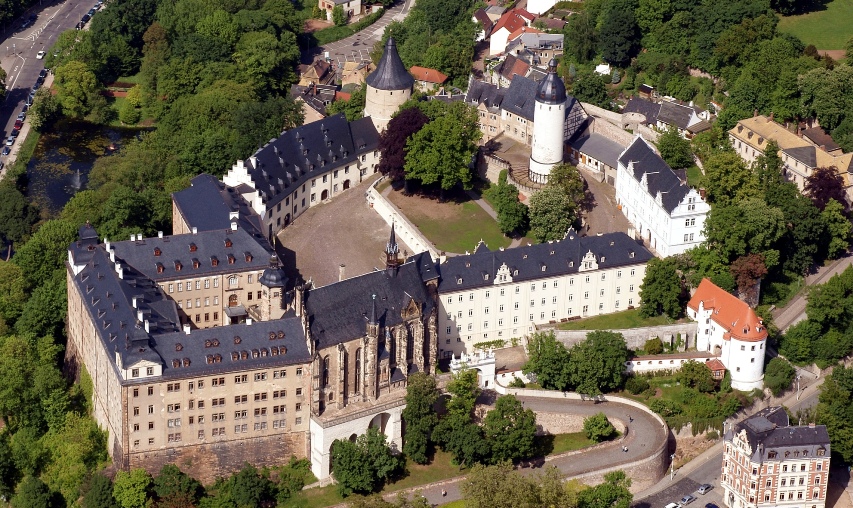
x,y
636,385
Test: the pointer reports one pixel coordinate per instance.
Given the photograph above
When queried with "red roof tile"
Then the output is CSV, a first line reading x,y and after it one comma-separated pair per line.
x,y
513,20
427,74
735,316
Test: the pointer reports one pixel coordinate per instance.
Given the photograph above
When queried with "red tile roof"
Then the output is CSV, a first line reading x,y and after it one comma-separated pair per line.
x,y
513,20
523,30
512,66
736,317
427,74
715,365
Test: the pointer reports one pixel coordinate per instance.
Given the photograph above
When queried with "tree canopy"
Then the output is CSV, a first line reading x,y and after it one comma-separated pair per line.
x,y
365,464
662,289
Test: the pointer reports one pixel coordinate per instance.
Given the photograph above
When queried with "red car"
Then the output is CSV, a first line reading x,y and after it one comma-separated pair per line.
x,y
19,124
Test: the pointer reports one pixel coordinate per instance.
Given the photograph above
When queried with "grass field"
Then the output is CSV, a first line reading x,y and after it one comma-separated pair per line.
x,y
616,321
694,175
451,226
827,29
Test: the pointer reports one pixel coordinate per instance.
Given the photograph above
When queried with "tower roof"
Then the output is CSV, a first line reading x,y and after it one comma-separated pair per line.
x,y
390,74
551,89
735,316
391,248
273,277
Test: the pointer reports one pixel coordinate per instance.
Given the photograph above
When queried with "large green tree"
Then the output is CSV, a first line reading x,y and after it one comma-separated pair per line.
x,y
598,428
176,486
662,289
747,226
778,375
597,363
728,179
420,416
363,465
693,374
835,410
618,37
32,493
99,493
548,358
456,432
76,86
675,150
613,493
132,489
28,374
512,213
510,430
551,213
581,37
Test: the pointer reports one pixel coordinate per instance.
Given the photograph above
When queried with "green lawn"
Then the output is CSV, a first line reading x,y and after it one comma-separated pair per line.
x,y
616,321
452,227
694,175
570,442
827,29
129,79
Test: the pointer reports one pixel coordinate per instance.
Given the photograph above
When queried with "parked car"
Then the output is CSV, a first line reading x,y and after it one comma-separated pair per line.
x,y
10,141
24,109
6,150
29,101
43,73
85,18
711,505
22,116
36,86
673,505
19,124
15,133
704,488
689,498
91,12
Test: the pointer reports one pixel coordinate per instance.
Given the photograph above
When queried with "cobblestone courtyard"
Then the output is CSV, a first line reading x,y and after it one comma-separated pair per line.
x,y
342,231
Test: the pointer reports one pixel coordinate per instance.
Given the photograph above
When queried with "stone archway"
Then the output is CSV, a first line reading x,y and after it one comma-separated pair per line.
x,y
232,300
324,195
380,422
346,184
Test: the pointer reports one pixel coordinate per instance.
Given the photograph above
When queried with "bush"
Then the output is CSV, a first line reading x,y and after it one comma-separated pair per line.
x,y
598,428
517,382
653,346
665,407
712,435
778,375
636,385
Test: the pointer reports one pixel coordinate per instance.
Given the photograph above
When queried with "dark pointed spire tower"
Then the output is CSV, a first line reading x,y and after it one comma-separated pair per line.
x,y
389,86
549,118
392,252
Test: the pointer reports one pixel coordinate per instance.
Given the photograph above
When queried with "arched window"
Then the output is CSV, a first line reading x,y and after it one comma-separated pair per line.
x,y
358,371
325,378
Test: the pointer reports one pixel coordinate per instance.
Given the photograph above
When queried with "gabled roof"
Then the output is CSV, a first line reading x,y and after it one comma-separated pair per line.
x,y
553,23
522,31
600,148
390,74
734,315
303,153
715,365
512,66
484,20
315,95
318,68
675,114
428,75
513,20
480,92
660,178
769,431
819,137
805,154
480,268
645,107
520,97
338,312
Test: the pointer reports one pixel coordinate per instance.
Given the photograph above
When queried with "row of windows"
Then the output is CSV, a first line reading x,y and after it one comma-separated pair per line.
x,y
217,402
220,431
176,387
544,286
531,317
198,284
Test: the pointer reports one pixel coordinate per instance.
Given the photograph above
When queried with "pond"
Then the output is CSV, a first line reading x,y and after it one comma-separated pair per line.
x,y
63,158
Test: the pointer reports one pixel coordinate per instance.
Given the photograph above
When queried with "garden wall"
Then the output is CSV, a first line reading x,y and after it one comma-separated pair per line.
x,y
636,338
402,226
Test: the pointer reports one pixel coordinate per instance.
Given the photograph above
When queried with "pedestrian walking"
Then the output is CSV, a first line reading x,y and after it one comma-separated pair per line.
x,y
443,493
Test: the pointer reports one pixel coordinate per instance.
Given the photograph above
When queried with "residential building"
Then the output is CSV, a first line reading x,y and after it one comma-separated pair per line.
x,y
598,154
534,47
390,77
317,72
305,166
426,79
767,462
672,363
508,23
730,329
492,295
507,69
482,18
667,214
644,107
314,99
800,157
819,138
540,7
350,7
687,120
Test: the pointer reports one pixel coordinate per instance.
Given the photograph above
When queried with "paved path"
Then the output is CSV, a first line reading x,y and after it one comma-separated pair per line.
x,y
795,311
492,213
357,47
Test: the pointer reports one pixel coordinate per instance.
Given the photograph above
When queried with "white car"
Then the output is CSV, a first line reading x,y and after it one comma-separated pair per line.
x,y
40,55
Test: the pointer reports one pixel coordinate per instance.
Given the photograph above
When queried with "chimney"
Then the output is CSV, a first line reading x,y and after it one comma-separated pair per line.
x,y
811,425
135,299
341,268
249,321
140,315
187,328
234,226
106,244
133,237
799,131
771,117
195,230
159,234
823,147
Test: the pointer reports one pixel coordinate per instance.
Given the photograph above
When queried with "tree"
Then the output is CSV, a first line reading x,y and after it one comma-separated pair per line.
x,y
830,305
549,360
697,375
824,184
746,226
339,17
99,493
248,488
44,312
597,362
175,485
420,417
16,215
131,488
778,375
2,85
27,374
661,289
441,152
551,214
45,251
352,108
589,87
498,486
128,114
653,346
364,465
748,271
581,39
45,111
569,180
613,493
728,179
456,432
675,150
32,493
797,342
835,410
510,430
618,36
392,141
75,86
838,229
512,213
598,428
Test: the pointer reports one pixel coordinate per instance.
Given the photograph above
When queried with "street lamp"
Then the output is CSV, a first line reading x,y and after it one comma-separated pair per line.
x,y
671,466
798,385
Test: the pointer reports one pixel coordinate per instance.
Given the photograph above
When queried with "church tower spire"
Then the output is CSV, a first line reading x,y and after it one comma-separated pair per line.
x,y
392,261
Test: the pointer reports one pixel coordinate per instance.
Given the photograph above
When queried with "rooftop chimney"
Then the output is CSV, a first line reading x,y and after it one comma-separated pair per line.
x,y
249,321
195,230
234,226
187,328
159,234
755,112
147,326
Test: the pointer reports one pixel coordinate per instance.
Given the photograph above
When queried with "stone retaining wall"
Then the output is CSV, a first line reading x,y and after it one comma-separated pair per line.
x,y
404,229
636,338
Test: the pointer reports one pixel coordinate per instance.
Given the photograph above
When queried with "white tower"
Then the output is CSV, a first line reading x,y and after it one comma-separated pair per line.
x,y
549,120
388,87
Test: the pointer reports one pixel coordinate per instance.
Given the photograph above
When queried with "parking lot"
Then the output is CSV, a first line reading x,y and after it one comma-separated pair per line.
x,y
681,488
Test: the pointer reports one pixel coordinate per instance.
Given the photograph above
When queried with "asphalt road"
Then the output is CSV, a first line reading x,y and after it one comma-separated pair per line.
x,y
795,311
706,468
19,47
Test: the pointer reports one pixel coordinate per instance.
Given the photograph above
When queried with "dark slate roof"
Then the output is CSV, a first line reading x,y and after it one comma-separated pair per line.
x,y
645,107
770,429
338,312
285,163
660,177
520,97
559,258
207,204
675,114
390,74
647,89
551,90
480,92
804,154
250,252
819,137
314,95
484,20
599,147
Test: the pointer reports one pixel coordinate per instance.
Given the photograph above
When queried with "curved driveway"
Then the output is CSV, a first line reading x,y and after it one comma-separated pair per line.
x,y
645,437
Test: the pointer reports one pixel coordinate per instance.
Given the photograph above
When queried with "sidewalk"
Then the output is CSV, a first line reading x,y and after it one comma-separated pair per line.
x,y
22,136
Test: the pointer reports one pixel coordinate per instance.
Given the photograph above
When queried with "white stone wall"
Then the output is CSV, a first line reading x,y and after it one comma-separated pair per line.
x,y
507,310
404,229
664,363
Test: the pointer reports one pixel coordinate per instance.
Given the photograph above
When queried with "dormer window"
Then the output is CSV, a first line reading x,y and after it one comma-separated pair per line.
x,y
193,247
237,339
195,263
459,280
631,254
248,257
228,243
157,251
543,267
214,261
160,268
179,347
485,276
178,266
231,259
